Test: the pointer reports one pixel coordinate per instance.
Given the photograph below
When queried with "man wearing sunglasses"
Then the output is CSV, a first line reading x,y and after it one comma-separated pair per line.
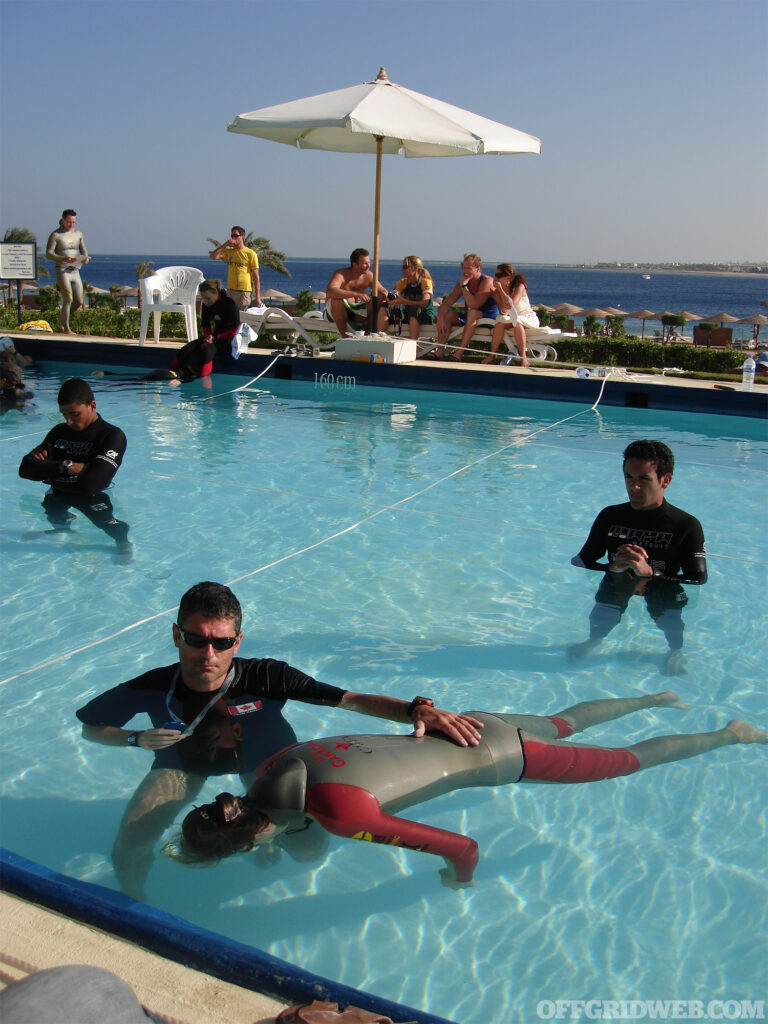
x,y
215,714
243,281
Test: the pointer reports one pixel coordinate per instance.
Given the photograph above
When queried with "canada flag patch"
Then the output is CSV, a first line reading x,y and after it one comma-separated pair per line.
x,y
244,709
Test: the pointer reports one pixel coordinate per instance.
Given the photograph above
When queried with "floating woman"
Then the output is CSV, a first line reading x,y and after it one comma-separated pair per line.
x,y
353,786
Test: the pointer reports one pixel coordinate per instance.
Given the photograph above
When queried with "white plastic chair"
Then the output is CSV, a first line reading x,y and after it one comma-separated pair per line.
x,y
169,290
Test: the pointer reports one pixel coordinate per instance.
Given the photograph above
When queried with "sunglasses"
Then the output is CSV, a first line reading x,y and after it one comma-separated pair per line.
x,y
235,234
218,643
497,274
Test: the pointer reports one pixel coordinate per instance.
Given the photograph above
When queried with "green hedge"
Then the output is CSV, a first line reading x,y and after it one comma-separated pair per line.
x,y
99,323
633,352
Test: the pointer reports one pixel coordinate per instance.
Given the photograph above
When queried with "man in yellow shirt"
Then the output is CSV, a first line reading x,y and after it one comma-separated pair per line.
x,y
243,284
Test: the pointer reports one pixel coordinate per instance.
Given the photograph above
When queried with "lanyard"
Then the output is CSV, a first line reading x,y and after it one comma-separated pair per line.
x,y
189,729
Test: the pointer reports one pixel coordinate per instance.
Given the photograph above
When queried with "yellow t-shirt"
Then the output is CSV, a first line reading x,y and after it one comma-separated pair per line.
x,y
241,263
425,284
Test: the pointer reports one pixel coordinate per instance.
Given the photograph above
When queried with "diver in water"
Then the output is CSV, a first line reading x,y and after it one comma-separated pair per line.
x,y
353,786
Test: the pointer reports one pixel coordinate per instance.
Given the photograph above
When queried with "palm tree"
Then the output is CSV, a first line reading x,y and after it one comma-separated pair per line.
x,y
144,269
268,257
25,235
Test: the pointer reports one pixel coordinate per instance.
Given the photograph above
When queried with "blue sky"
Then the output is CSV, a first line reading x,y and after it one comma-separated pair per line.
x,y
652,116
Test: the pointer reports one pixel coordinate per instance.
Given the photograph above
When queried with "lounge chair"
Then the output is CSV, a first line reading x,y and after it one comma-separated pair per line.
x,y
281,327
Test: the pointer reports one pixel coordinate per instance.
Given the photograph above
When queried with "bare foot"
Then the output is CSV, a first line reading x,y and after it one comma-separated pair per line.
x,y
746,733
668,699
489,359
575,652
674,664
524,362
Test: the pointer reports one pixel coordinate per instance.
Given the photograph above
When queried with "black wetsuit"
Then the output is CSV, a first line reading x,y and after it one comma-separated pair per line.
x,y
237,733
222,320
101,446
674,542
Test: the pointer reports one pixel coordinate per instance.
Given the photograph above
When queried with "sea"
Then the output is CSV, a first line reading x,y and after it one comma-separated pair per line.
x,y
627,289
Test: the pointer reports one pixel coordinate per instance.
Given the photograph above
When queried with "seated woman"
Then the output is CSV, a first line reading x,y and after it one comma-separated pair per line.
x,y
220,319
220,316
352,785
516,310
413,293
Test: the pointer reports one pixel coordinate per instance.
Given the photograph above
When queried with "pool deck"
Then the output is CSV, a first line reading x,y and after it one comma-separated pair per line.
x,y
539,381
33,938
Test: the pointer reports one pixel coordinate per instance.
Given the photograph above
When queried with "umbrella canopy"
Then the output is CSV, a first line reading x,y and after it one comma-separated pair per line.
x,y
567,309
381,117
614,311
757,320
721,318
594,312
273,295
318,296
127,291
644,314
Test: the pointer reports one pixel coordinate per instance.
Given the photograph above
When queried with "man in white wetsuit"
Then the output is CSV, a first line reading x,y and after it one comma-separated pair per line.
x,y
66,248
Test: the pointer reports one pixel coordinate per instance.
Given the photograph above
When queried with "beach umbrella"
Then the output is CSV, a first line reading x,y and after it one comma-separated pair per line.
x,y
688,317
273,295
643,314
757,320
595,311
382,117
319,297
567,309
721,318
614,311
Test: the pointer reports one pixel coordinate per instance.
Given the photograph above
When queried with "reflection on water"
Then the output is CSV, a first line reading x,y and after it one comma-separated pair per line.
x,y
456,582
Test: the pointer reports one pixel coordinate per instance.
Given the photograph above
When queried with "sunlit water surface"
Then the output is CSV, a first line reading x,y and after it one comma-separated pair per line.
x,y
403,542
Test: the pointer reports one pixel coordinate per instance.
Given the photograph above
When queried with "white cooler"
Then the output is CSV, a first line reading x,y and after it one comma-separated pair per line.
x,y
373,349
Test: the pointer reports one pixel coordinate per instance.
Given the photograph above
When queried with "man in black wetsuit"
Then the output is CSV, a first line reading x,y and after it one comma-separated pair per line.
x,y
214,714
79,458
652,548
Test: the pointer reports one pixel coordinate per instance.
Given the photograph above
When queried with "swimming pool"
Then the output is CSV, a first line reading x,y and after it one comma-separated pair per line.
x,y
405,542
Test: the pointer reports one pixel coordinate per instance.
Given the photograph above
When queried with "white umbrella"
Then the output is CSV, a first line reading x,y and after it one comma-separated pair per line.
x,y
381,117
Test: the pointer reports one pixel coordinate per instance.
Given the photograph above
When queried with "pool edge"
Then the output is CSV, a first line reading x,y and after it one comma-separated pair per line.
x,y
178,940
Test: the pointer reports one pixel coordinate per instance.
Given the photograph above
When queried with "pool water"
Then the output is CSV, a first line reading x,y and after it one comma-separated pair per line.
x,y
403,542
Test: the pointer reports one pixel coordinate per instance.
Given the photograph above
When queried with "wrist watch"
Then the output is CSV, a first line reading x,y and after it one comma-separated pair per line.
x,y
133,739
66,463
419,702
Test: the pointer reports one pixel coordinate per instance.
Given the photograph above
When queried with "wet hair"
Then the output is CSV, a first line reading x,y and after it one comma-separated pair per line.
x,y
212,600
473,258
211,284
652,451
413,261
218,830
236,227
75,391
356,255
68,213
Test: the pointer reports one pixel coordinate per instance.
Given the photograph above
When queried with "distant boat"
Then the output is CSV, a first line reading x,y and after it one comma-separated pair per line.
x,y
646,277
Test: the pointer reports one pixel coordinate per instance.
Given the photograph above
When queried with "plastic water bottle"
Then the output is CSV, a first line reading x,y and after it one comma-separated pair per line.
x,y
748,374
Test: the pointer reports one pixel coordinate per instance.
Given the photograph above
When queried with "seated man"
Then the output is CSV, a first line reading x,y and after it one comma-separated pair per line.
x,y
348,303
476,289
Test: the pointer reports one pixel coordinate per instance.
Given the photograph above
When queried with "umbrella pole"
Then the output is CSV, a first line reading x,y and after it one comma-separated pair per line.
x,y
376,221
